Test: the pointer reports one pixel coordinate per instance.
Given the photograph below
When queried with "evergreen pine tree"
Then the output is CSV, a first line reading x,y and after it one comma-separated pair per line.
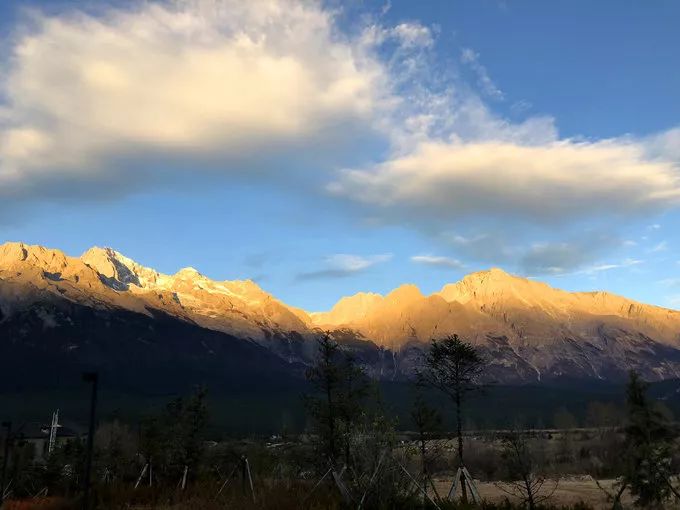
x,y
648,448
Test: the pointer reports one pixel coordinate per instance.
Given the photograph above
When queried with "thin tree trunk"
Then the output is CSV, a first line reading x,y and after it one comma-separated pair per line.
x,y
459,423
617,499
459,431
331,422
423,466
530,494
422,455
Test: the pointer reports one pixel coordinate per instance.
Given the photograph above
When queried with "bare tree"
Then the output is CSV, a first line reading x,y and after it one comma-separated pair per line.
x,y
615,495
427,420
523,481
354,388
454,367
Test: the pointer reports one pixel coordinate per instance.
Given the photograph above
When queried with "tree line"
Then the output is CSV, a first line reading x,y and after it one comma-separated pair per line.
x,y
455,368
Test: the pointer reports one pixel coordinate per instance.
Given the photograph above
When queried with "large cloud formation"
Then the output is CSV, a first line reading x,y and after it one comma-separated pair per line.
x,y
195,79
554,182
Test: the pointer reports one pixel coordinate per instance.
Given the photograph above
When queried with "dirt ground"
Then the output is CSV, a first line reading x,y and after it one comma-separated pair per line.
x,y
568,492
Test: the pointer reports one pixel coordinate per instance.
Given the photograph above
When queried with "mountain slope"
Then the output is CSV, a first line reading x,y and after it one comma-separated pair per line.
x,y
104,279
528,330
47,345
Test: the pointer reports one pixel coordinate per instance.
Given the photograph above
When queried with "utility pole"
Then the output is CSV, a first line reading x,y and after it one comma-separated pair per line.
x,y
53,432
91,377
7,425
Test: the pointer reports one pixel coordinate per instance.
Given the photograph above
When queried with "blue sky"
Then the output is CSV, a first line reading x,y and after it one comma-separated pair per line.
x,y
328,148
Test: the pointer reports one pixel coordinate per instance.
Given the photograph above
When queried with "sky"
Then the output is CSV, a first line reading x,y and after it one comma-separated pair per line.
x,y
327,148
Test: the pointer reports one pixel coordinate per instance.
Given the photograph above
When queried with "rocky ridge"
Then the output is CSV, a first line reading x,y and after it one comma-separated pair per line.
x,y
528,330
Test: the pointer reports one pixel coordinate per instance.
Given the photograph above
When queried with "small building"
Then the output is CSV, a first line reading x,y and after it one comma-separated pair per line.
x,y
38,435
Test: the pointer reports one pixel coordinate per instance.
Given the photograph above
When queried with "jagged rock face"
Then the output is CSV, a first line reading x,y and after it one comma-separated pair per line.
x,y
104,278
349,309
528,330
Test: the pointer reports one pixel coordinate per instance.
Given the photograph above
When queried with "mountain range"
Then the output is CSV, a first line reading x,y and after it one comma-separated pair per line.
x,y
142,327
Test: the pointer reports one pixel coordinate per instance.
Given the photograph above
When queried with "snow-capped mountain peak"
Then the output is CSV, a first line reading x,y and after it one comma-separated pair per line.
x,y
524,326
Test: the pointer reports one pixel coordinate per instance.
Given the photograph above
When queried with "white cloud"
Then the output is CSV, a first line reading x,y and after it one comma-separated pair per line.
x,y
670,282
492,247
673,301
598,268
567,256
664,145
342,265
659,247
438,260
354,263
102,104
471,58
553,258
520,106
413,35
572,255
548,183
572,261
226,78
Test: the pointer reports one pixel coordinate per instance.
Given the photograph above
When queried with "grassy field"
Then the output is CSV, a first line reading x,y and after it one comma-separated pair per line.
x,y
567,491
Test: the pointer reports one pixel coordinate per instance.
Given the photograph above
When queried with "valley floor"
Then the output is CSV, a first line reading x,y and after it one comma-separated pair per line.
x,y
569,491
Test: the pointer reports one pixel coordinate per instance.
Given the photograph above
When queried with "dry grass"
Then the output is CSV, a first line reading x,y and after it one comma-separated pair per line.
x,y
570,491
50,503
291,495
